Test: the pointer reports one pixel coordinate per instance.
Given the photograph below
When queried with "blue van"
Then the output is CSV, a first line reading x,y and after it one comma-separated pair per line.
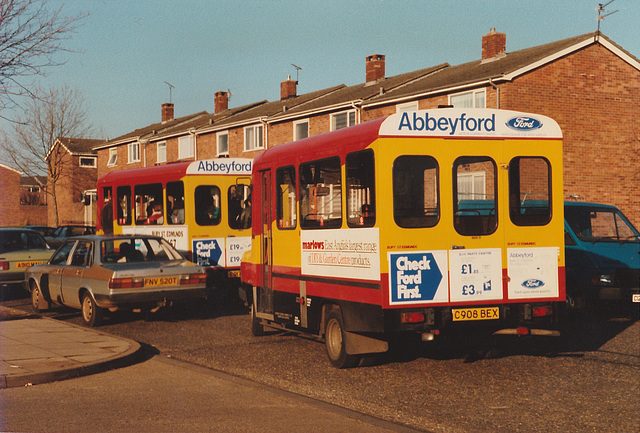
x,y
602,254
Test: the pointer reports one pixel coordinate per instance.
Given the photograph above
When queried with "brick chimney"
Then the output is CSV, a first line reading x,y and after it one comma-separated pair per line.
x,y
375,67
220,102
493,44
288,88
167,112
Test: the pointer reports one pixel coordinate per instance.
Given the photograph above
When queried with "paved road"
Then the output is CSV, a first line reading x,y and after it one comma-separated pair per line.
x,y
586,381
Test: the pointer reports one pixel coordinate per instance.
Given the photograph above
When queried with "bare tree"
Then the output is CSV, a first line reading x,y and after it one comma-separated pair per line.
x,y
30,37
51,115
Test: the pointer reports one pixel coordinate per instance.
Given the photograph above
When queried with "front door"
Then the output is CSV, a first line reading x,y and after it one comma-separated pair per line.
x,y
265,296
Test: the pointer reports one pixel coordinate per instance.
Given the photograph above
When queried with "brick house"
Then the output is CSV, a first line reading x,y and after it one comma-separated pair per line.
x,y
76,169
23,200
587,83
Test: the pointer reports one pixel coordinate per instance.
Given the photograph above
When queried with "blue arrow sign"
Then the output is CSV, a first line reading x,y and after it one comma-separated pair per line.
x,y
413,277
206,252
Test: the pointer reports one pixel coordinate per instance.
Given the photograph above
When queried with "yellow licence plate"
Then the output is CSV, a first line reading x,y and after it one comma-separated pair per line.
x,y
234,274
25,265
161,281
487,313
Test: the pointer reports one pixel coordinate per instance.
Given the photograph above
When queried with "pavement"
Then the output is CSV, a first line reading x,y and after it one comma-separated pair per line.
x,y
37,350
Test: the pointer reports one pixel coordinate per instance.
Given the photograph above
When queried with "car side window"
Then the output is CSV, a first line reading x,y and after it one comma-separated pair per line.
x,y
82,254
60,257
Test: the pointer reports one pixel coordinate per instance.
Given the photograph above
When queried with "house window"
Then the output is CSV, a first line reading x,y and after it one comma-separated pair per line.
x,y
162,151
223,143
343,120
88,161
134,152
186,147
473,99
300,129
253,137
409,106
113,157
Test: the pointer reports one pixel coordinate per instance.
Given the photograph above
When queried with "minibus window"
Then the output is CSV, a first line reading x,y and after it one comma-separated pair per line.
x,y
475,195
415,191
207,205
529,191
175,202
321,194
239,205
148,204
123,206
361,206
106,215
286,197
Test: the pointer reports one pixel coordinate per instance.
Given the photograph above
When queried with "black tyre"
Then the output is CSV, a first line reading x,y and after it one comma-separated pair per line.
x,y
37,301
257,329
335,341
91,313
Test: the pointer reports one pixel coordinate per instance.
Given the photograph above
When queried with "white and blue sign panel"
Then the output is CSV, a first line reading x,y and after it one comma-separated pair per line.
x,y
533,272
475,275
236,247
469,122
417,277
209,252
232,166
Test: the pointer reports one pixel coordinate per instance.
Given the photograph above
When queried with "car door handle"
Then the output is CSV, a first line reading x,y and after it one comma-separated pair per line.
x,y
78,272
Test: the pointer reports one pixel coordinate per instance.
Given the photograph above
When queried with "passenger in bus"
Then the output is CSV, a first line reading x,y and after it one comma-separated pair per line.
x,y
106,216
245,216
177,214
213,214
235,207
156,216
122,210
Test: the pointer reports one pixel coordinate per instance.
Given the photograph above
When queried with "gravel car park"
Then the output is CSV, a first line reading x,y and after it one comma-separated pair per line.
x,y
97,273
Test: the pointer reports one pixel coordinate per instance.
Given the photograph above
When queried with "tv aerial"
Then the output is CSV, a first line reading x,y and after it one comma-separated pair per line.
x,y
601,12
298,69
171,86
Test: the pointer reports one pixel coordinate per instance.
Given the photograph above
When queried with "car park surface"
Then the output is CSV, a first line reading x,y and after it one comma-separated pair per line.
x,y
19,249
99,273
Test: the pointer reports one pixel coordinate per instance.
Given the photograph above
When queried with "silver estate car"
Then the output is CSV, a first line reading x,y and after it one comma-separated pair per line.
x,y
98,273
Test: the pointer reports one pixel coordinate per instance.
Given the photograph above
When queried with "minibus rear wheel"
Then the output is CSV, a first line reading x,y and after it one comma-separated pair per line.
x,y
335,341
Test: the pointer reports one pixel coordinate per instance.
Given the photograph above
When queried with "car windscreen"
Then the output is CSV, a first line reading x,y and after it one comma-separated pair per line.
x,y
599,224
128,250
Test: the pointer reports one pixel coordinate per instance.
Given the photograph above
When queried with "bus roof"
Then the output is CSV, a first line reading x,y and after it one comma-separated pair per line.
x,y
436,123
173,171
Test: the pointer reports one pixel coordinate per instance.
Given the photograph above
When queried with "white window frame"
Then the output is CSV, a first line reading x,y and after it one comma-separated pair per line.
x,y
113,157
134,152
219,135
94,160
295,129
161,149
474,98
345,113
186,147
253,136
407,106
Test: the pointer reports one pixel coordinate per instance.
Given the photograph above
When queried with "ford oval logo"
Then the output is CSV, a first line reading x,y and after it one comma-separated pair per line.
x,y
522,123
532,283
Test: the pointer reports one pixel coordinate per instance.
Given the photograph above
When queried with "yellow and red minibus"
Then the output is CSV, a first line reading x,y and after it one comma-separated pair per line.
x,y
203,208
429,222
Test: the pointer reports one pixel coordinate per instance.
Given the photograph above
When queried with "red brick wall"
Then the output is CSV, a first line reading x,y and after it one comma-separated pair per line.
x,y
12,213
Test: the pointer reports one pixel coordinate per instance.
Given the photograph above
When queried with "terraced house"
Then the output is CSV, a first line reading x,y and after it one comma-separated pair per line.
x,y
587,83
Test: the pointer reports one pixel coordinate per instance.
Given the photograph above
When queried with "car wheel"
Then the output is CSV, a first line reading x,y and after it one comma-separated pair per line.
x,y
335,342
257,329
91,313
37,301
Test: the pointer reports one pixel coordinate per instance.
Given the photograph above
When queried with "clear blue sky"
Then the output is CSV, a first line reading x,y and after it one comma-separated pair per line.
x,y
128,49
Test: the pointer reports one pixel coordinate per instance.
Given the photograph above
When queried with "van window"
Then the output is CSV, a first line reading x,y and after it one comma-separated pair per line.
x,y
475,195
361,194
148,201
415,191
123,210
529,191
207,205
321,194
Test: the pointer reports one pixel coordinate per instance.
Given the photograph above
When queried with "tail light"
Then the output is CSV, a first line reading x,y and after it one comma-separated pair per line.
x,y
193,279
542,311
126,283
4,266
412,317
